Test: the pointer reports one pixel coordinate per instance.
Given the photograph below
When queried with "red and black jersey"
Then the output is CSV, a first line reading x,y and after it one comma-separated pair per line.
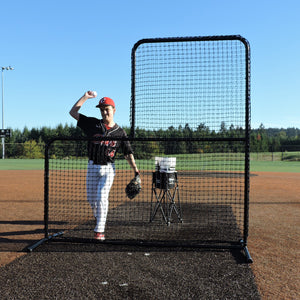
x,y
102,152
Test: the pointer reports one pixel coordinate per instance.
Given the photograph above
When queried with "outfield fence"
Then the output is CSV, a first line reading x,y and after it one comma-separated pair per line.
x,y
29,149
37,150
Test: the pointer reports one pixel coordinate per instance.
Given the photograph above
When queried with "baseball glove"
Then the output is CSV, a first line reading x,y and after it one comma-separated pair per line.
x,y
133,187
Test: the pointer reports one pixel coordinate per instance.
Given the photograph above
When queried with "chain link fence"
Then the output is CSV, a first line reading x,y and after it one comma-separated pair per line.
x,y
29,149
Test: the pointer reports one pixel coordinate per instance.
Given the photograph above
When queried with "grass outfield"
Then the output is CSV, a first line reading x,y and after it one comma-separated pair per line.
x,y
21,164
275,166
255,166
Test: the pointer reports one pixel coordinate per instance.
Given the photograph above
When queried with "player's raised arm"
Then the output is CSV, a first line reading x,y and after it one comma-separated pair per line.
x,y
76,107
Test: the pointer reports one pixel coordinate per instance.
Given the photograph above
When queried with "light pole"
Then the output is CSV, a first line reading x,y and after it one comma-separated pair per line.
x,y
3,138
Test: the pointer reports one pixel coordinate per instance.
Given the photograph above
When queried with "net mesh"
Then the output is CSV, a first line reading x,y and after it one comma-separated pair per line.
x,y
203,202
190,82
189,103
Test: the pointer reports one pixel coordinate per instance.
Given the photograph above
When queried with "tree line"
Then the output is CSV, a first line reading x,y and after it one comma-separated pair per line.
x,y
30,143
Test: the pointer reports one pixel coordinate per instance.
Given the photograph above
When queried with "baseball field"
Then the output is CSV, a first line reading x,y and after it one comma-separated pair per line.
x,y
111,272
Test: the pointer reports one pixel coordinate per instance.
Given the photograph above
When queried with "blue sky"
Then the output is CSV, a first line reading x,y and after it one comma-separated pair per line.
x,y
61,48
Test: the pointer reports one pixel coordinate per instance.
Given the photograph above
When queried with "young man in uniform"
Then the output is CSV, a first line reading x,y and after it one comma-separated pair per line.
x,y
101,168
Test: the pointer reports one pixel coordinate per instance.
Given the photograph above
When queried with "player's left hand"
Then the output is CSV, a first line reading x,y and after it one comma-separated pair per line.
x,y
133,187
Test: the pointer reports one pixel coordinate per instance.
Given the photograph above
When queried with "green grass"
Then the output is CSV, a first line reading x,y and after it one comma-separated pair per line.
x,y
275,166
205,163
21,164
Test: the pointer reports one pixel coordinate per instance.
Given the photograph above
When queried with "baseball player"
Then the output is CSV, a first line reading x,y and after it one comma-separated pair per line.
x,y
101,168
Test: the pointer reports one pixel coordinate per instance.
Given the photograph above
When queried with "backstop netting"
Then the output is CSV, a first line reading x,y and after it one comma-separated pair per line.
x,y
190,126
193,83
200,198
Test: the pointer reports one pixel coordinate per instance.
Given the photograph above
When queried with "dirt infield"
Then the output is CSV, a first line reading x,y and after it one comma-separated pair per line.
x,y
273,235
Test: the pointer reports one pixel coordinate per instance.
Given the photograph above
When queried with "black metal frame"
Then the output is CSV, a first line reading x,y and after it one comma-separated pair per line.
x,y
242,244
246,139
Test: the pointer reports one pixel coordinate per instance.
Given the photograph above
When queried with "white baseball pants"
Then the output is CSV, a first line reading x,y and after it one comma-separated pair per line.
x,y
98,184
